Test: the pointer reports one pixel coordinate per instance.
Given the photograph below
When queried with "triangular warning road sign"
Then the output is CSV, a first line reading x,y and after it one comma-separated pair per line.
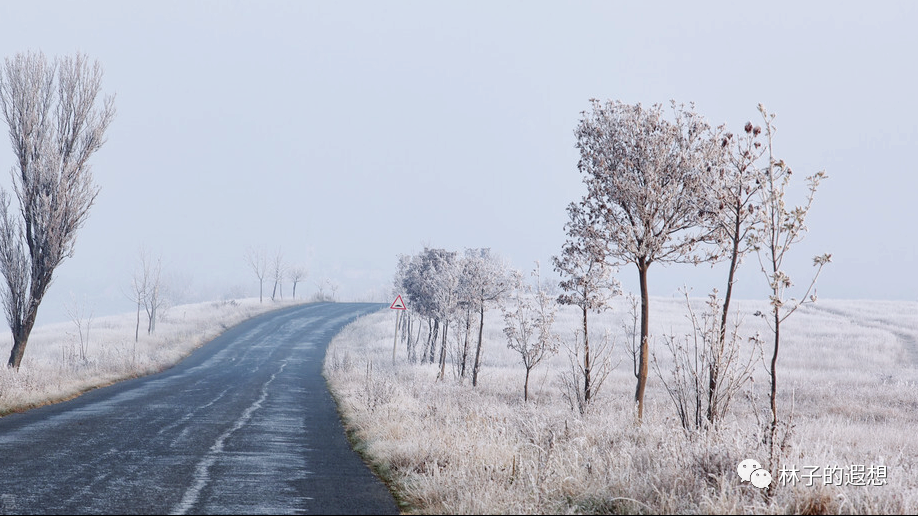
x,y
398,304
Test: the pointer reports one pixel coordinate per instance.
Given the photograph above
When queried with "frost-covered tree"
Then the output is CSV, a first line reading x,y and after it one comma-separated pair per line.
x,y
399,288
296,273
148,287
734,214
448,290
55,125
412,283
138,291
257,260
485,279
587,283
467,312
431,281
528,325
780,227
82,316
694,355
278,271
326,291
644,176
443,266
465,317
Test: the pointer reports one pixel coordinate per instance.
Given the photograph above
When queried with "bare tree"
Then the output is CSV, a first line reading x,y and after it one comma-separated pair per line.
x,y
528,326
279,270
734,214
138,291
296,274
575,388
694,356
151,281
257,260
321,295
644,177
148,291
780,228
55,125
587,283
82,316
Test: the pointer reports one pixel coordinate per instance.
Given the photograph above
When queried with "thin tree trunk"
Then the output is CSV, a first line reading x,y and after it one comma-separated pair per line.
x,y
645,344
714,372
432,344
774,378
151,315
465,345
417,340
443,343
427,344
477,365
777,315
526,386
586,357
407,332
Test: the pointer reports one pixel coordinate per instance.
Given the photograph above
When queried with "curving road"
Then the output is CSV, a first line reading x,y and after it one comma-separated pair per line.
x,y
243,425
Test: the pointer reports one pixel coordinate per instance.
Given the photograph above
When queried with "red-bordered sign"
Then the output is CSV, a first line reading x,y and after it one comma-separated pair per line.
x,y
398,304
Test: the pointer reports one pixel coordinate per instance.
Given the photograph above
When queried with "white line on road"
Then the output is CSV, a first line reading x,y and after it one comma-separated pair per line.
x,y
201,474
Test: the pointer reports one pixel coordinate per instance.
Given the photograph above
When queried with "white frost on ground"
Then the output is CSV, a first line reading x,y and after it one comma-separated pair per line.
x,y
848,376
53,367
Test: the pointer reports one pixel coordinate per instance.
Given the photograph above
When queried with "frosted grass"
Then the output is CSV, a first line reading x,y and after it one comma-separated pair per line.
x,y
848,381
53,369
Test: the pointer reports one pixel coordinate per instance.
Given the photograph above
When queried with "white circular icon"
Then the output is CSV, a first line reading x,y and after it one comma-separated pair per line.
x,y
760,478
746,468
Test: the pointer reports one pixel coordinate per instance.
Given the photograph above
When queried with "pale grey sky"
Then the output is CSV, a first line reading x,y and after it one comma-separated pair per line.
x,y
346,133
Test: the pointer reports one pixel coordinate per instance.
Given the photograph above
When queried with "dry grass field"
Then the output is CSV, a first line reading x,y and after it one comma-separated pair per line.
x,y
56,366
848,389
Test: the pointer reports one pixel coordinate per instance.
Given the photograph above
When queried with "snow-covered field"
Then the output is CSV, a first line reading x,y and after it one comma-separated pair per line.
x,y
55,368
847,380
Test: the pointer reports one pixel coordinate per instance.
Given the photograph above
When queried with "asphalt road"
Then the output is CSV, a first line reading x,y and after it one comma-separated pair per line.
x,y
245,425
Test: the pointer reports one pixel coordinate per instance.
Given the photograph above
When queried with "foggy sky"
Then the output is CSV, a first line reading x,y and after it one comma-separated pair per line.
x,y
347,133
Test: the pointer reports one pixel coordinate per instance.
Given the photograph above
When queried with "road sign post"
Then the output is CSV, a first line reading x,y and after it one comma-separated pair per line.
x,y
398,305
